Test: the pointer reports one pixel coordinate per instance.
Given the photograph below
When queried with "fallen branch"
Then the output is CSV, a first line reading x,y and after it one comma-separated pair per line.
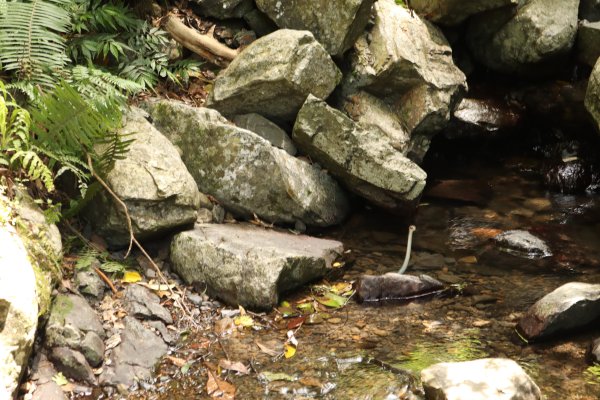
x,y
106,279
205,46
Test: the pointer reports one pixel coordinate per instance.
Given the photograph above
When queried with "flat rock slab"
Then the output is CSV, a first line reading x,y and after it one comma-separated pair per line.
x,y
250,266
142,303
523,243
571,306
393,286
485,379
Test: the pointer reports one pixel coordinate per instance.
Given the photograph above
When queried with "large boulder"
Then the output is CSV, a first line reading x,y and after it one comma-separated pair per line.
x,y
363,159
453,12
246,265
266,129
336,25
571,306
245,172
588,42
30,252
274,75
537,34
592,95
407,61
152,181
223,9
485,379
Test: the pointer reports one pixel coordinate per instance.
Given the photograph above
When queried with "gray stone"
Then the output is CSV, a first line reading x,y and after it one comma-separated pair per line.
x,y
223,9
571,306
92,348
245,173
539,33
407,62
523,243
133,359
41,374
250,266
205,216
589,10
594,351
152,181
140,302
267,130
274,75
454,12
362,158
588,42
89,283
336,24
484,379
592,95
71,318
72,364
169,337
259,22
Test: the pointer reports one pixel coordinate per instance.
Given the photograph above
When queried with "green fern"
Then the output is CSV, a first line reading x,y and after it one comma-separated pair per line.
x,y
31,41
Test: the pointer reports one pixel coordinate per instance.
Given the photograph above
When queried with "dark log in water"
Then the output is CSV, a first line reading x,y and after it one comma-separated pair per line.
x,y
393,286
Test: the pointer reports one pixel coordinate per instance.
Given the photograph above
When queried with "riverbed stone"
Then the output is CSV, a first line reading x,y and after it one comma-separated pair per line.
x,y
520,41
588,42
266,129
593,353
72,364
245,172
484,379
274,75
92,348
523,243
407,61
89,283
152,181
141,303
42,372
573,305
336,24
223,9
362,159
454,12
133,359
246,265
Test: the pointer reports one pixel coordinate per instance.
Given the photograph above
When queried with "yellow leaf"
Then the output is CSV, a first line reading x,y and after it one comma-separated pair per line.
x,y
290,350
244,320
131,277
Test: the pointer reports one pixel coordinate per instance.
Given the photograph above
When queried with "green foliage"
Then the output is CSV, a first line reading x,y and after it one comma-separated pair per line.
x,y
401,3
592,374
87,257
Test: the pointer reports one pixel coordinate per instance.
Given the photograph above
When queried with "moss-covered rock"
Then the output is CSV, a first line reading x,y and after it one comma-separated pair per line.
x,y
592,96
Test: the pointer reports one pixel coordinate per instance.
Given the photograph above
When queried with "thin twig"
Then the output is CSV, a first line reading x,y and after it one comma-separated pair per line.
x,y
106,279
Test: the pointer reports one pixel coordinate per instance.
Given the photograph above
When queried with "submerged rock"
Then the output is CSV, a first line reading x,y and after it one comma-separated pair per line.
x,y
485,379
588,42
250,266
453,12
393,286
592,95
538,32
523,243
152,181
571,306
245,172
335,23
568,177
363,159
274,75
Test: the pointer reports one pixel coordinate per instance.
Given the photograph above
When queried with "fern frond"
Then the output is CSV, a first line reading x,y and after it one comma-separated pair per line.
x,y
113,267
30,39
34,167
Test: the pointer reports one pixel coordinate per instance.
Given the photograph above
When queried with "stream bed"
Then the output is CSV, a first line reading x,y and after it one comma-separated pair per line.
x,y
372,351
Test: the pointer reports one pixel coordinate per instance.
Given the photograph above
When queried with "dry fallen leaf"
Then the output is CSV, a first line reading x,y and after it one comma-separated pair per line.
x,y
178,362
217,388
224,325
266,349
233,366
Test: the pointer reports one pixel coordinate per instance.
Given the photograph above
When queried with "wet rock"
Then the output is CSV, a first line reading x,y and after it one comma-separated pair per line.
x,y
453,12
142,303
592,95
223,9
522,40
485,379
571,306
407,62
89,283
72,364
336,25
363,159
92,348
393,286
152,181
474,117
588,42
274,75
589,10
245,172
136,355
593,353
568,177
246,265
71,320
267,130
523,243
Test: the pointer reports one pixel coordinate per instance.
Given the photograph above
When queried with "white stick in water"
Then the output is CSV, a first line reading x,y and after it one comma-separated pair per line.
x,y
411,229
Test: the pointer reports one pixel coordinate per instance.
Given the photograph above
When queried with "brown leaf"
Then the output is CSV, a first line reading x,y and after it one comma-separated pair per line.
x,y
217,388
296,322
179,362
486,233
234,366
268,350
